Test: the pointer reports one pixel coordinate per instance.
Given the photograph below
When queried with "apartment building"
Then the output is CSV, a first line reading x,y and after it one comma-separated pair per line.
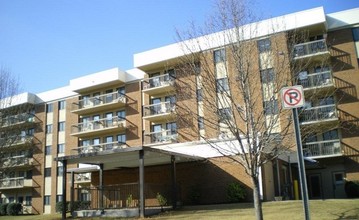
x,y
116,139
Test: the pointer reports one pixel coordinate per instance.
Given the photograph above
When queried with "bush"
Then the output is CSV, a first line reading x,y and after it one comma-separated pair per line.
x,y
236,192
3,208
13,209
59,206
352,189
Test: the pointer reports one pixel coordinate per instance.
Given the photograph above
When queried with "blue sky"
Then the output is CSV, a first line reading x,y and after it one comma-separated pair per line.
x,y
46,42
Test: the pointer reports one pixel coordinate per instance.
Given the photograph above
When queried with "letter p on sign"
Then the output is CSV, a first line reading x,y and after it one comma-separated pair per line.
x,y
292,97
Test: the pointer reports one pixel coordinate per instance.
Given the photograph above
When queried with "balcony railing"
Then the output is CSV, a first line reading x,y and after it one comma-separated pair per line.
x,y
16,140
310,48
83,178
98,101
15,161
158,109
98,125
99,147
327,112
167,136
315,80
16,182
17,119
158,81
322,148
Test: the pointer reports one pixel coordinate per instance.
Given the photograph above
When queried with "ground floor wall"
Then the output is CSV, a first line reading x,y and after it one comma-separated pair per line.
x,y
200,182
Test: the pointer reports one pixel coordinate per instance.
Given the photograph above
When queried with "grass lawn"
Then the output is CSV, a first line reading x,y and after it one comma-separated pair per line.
x,y
284,210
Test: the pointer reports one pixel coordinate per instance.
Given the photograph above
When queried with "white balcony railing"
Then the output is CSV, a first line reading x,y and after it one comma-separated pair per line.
x,y
309,48
17,119
16,140
158,81
96,125
318,113
315,80
322,148
16,182
20,160
99,100
158,109
99,147
166,136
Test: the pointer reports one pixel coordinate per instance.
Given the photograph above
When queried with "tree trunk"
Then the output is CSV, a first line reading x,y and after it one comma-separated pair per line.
x,y
257,199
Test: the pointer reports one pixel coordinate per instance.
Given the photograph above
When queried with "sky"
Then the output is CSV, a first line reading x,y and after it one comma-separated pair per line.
x,y
46,43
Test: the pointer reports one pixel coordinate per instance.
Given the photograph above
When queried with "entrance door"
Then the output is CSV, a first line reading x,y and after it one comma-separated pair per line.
x,y
338,184
315,186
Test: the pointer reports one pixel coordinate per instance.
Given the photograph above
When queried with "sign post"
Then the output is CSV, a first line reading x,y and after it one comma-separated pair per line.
x,y
293,98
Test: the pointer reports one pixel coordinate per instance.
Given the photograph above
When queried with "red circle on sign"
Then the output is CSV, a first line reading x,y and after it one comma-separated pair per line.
x,y
296,99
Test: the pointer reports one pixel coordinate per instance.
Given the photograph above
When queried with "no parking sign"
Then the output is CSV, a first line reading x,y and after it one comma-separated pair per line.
x,y
292,97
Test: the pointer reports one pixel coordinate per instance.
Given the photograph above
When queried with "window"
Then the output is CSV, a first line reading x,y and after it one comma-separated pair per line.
x,y
49,129
48,150
330,135
326,101
121,115
29,174
11,199
264,45
171,73
121,91
28,200
49,107
171,128
224,114
30,131
219,55
222,85
62,105
200,123
58,198
47,200
338,178
121,139
48,172
60,148
60,171
61,126
271,107
197,68
267,75
199,95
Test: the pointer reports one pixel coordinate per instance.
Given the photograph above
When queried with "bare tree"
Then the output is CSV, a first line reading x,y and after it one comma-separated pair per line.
x,y
229,81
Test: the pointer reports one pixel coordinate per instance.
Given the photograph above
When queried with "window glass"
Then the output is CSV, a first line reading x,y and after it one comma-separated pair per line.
x,y
48,150
199,95
62,126
330,135
121,115
47,172
355,34
62,105
267,75
224,114
219,55
60,171
121,138
48,129
222,85
200,123
264,45
47,200
49,107
271,107
60,148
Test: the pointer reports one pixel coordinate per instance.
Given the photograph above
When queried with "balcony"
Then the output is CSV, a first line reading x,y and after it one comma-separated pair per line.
x,y
17,161
13,142
99,147
83,178
16,182
160,137
322,80
23,120
159,112
158,84
98,127
318,114
99,103
311,49
330,148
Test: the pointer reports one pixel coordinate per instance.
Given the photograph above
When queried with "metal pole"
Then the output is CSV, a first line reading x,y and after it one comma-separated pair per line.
x,y
174,184
142,183
302,178
64,181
